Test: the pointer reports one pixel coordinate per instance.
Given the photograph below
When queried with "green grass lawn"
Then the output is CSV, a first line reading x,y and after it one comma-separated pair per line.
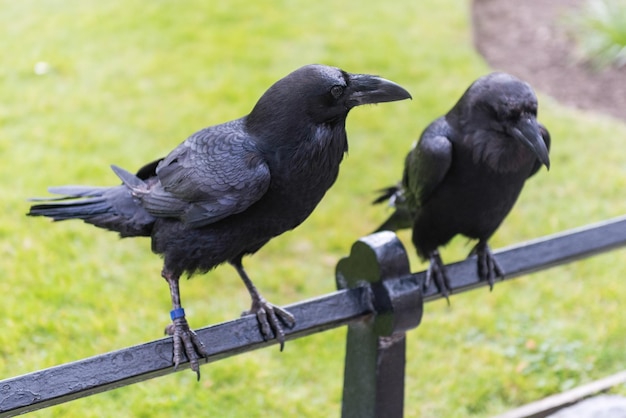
x,y
599,28
126,81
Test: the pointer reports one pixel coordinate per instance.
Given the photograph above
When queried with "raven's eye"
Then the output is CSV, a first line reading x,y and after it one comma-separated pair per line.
x,y
512,114
336,91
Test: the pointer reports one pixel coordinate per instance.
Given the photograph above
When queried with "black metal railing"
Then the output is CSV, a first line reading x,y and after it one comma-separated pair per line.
x,y
379,299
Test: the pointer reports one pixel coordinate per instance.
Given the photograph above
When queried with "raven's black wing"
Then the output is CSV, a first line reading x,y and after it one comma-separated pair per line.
x,y
215,173
427,164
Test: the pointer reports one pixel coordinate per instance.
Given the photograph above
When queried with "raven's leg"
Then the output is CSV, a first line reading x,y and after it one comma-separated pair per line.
x,y
437,273
266,313
488,267
184,338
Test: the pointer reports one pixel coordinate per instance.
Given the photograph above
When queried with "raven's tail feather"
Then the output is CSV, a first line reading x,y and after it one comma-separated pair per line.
x,y
401,217
67,207
386,194
112,208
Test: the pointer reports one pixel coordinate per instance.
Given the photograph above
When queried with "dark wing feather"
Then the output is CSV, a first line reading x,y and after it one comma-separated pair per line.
x,y
425,167
148,170
427,163
213,174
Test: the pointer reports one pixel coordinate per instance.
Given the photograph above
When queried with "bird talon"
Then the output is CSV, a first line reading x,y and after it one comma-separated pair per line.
x,y
278,330
285,316
269,318
488,268
266,329
187,345
437,273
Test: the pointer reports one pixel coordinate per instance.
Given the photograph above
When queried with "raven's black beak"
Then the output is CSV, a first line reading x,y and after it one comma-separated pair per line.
x,y
527,132
369,89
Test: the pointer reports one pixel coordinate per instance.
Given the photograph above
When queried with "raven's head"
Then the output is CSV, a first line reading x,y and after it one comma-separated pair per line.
x,y
322,94
502,103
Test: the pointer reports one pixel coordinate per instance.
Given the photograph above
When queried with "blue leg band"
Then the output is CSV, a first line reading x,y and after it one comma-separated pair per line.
x,y
177,313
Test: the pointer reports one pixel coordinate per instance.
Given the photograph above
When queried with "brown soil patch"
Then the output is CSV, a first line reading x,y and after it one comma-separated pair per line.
x,y
528,39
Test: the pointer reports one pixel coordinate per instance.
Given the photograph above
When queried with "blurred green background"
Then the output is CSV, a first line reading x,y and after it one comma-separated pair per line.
x,y
599,29
123,82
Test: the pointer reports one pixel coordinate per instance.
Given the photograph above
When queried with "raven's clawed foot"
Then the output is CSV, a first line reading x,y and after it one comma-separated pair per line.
x,y
488,267
270,317
186,343
437,273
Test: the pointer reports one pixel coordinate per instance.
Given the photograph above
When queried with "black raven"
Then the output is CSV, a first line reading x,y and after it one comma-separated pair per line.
x,y
228,189
466,171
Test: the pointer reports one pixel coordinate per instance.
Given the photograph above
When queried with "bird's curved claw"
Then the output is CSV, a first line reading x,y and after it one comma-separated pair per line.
x,y
437,273
186,344
270,317
488,268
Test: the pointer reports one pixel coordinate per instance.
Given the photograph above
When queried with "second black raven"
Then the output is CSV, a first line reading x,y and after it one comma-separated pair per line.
x,y
466,171
228,189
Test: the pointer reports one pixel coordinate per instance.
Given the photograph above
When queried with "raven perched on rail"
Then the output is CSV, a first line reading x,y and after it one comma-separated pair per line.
x,y
466,171
228,189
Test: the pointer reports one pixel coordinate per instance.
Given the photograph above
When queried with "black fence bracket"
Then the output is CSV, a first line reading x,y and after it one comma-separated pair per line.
x,y
376,345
